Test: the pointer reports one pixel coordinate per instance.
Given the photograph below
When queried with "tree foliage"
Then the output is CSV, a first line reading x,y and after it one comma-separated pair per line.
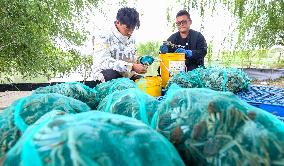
x,y
260,22
263,21
28,33
30,29
149,48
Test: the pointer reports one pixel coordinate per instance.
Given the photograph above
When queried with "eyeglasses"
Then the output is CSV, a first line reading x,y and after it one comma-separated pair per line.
x,y
179,23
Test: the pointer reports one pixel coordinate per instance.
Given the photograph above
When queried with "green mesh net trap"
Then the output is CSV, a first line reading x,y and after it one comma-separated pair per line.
x,y
24,112
92,138
216,128
75,90
111,86
220,79
132,103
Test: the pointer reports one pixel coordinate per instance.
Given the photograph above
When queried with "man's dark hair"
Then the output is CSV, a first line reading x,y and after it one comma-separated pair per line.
x,y
182,13
129,17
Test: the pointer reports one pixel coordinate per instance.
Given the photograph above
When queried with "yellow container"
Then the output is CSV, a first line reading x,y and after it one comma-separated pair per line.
x,y
150,85
171,64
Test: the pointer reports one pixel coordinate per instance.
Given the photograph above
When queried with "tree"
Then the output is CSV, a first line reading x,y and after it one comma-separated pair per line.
x,y
149,48
28,33
260,22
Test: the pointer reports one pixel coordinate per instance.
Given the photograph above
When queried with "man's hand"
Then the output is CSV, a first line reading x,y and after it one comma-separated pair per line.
x,y
146,60
139,68
188,53
164,49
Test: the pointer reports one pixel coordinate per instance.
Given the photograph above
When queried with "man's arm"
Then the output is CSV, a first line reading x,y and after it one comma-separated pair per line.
x,y
201,48
102,57
172,39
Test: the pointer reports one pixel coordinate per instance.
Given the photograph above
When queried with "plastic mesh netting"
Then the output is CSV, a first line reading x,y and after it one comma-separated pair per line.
x,y
111,86
92,138
220,79
24,112
75,90
130,102
216,128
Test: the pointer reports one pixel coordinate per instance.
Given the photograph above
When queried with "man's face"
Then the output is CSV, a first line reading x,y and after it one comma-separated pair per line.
x,y
123,29
183,23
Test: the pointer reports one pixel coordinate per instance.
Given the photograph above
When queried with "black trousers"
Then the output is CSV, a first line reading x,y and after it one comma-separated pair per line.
x,y
110,74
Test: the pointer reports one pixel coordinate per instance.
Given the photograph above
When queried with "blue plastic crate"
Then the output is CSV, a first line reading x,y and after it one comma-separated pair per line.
x,y
276,110
270,99
263,94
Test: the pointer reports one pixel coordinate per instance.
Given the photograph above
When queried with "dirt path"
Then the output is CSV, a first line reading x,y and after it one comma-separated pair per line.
x,y
8,97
